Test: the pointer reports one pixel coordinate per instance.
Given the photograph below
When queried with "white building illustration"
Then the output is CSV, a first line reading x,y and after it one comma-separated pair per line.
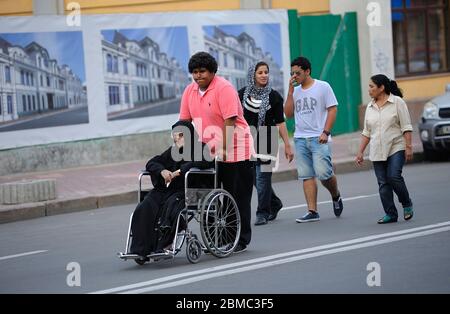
x,y
32,83
235,54
138,73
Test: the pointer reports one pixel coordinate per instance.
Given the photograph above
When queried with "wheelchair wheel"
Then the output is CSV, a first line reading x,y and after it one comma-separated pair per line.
x,y
140,261
220,223
193,250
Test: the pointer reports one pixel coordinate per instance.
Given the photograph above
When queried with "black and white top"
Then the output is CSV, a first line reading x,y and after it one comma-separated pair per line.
x,y
274,114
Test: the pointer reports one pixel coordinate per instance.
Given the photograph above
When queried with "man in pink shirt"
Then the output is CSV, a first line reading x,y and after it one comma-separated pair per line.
x,y
213,104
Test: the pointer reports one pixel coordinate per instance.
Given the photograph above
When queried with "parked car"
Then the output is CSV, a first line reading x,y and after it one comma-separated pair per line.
x,y
434,127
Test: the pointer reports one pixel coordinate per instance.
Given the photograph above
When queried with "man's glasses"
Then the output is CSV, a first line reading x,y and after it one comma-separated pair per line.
x,y
297,73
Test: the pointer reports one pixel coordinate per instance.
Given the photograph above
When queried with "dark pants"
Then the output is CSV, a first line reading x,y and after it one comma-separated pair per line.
x,y
389,177
237,179
156,209
268,201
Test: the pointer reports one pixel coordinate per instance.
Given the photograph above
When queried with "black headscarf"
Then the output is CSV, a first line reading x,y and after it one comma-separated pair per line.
x,y
191,139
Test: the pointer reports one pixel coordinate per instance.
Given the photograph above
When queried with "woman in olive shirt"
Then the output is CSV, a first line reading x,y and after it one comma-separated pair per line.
x,y
387,126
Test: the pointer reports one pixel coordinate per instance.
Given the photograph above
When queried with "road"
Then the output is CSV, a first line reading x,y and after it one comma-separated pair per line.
x,y
57,118
156,109
331,256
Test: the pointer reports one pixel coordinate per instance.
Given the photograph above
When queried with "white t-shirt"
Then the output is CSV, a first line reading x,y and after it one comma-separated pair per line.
x,y
310,108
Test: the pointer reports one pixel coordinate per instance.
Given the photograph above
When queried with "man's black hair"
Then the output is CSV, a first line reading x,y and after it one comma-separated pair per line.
x,y
202,60
303,63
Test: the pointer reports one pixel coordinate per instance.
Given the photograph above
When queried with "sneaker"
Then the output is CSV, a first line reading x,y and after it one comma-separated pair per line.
x,y
240,248
310,216
387,219
338,206
260,220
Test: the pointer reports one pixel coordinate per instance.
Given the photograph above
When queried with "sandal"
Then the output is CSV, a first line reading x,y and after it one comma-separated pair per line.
x,y
386,219
408,213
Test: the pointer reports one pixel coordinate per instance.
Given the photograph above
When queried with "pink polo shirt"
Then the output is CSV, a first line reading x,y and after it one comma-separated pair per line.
x,y
208,112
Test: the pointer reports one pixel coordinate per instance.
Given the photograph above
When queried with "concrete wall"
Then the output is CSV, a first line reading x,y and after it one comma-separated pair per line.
x,y
376,53
83,153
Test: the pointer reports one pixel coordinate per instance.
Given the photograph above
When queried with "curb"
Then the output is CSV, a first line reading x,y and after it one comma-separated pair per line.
x,y
11,213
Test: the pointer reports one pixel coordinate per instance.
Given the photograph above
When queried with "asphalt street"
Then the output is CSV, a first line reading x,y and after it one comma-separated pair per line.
x,y
57,118
351,254
156,109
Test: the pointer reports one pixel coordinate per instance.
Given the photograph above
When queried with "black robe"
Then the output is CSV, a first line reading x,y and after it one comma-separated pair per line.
x,y
155,218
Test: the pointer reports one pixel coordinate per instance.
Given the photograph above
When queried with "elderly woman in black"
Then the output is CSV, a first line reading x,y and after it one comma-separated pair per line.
x,y
154,218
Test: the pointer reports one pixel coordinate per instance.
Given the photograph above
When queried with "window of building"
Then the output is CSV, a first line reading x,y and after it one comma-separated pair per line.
x,y
421,36
225,60
114,96
7,74
115,64
48,81
125,66
9,104
0,104
34,102
109,63
24,102
22,77
127,95
239,63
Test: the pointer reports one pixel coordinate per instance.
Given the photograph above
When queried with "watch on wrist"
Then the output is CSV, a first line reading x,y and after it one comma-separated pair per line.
x,y
326,132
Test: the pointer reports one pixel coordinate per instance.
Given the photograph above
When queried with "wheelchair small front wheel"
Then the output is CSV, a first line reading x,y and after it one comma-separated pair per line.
x,y
141,260
193,250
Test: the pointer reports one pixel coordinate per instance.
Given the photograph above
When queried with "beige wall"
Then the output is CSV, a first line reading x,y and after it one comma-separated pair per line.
x,y
16,7
25,7
303,6
423,87
140,6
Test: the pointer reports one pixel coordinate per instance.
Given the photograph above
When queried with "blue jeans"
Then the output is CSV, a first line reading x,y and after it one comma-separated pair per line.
x,y
389,177
313,159
268,201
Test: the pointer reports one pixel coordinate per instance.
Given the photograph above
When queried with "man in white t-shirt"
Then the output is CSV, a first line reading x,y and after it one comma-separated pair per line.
x,y
314,106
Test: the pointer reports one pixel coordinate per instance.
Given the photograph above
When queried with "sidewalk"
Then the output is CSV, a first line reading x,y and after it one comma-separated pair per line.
x,y
116,184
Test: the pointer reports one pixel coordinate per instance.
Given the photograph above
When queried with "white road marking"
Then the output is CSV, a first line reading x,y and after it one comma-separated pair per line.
x,y
22,254
326,202
286,260
277,259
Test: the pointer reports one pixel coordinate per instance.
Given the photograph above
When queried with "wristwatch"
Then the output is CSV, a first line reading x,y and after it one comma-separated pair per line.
x,y
326,132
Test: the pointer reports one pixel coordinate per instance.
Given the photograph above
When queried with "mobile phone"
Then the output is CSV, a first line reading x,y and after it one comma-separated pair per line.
x,y
294,83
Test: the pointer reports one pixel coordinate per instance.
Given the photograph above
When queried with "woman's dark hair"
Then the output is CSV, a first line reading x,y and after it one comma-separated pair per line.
x,y
303,63
260,63
390,86
202,60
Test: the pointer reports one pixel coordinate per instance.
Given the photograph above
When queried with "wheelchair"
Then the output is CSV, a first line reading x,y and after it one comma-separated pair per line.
x,y
213,208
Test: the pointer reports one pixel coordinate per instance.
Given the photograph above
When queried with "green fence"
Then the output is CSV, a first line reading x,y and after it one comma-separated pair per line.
x,y
330,42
